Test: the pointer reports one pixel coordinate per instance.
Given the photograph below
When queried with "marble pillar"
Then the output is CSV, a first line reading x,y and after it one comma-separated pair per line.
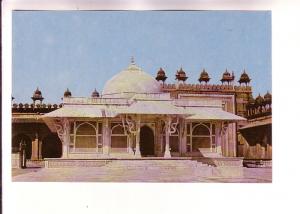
x,y
137,138
106,137
66,138
35,148
167,129
219,138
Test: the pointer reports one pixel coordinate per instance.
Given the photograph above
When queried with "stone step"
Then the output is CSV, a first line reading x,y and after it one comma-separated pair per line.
x,y
154,171
120,164
125,164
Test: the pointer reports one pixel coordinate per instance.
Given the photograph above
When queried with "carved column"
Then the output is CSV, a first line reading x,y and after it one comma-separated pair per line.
x,y
35,148
40,149
131,145
224,139
219,138
66,137
161,138
167,129
106,137
63,131
137,137
182,137
232,140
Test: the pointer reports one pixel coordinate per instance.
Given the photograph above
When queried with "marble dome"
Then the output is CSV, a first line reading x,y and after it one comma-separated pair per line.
x,y
129,81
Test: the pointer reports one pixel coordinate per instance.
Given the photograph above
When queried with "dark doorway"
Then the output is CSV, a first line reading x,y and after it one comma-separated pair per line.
x,y
16,144
146,142
51,147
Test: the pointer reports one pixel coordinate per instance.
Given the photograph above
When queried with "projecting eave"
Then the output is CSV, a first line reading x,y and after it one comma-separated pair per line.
x,y
211,114
82,111
150,107
266,122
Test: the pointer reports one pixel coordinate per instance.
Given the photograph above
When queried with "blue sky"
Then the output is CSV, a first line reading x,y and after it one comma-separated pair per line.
x,y
81,50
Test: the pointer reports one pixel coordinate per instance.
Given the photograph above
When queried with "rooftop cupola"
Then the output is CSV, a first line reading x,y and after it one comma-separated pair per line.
x,y
259,100
180,75
204,77
37,95
227,77
161,75
67,93
268,98
95,94
244,78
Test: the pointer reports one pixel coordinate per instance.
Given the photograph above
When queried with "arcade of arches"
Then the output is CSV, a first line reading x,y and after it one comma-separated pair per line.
x,y
40,141
89,137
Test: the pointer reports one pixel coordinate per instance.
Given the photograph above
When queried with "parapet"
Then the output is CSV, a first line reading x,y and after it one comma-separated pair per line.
x,y
205,87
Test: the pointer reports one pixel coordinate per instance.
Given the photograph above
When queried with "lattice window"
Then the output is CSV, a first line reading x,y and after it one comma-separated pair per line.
x,y
85,137
119,140
200,136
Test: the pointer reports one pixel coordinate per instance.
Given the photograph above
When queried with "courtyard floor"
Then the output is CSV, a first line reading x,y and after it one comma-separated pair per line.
x,y
100,174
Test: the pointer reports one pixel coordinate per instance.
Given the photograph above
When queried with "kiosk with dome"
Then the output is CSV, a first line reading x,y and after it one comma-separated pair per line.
x,y
138,116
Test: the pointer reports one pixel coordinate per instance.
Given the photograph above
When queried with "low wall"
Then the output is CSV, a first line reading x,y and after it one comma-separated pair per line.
x,y
225,166
15,160
65,163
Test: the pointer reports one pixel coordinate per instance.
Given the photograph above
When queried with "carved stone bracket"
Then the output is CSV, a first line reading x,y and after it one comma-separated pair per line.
x,y
61,126
130,125
171,126
59,129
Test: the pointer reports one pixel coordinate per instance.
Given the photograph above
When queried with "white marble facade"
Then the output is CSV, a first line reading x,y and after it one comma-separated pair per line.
x,y
132,118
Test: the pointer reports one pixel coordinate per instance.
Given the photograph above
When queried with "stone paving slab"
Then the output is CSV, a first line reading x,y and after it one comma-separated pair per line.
x,y
102,174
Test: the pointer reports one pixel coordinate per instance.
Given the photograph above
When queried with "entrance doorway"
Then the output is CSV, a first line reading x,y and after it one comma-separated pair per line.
x,y
52,147
146,142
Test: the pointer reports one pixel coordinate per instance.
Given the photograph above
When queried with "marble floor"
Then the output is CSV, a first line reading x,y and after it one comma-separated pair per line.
x,y
106,174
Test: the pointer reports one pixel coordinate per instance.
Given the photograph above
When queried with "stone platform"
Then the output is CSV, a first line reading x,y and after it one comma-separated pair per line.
x,y
229,167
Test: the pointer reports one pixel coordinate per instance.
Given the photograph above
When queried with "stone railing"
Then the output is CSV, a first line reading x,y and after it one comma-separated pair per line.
x,y
34,108
259,111
96,100
205,87
152,96
199,103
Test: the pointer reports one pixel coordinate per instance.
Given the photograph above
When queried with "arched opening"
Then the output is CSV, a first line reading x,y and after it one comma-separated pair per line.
x,y
201,136
51,147
146,142
16,144
85,137
119,141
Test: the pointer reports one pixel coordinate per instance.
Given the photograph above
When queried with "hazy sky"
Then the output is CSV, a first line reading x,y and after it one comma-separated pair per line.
x,y
81,50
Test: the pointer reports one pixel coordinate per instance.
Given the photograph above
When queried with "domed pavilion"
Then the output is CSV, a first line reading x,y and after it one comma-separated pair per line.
x,y
133,118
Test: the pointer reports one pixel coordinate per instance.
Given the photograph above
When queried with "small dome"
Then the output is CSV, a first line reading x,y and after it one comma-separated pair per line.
x,y
244,78
227,77
95,93
37,92
259,100
204,76
37,95
67,93
131,80
161,75
181,75
268,98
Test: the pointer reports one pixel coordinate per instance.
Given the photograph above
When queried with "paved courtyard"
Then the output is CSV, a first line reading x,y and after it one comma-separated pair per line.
x,y
102,174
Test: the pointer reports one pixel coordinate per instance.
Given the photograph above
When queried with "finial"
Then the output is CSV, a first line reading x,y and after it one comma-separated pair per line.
x,y
132,60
